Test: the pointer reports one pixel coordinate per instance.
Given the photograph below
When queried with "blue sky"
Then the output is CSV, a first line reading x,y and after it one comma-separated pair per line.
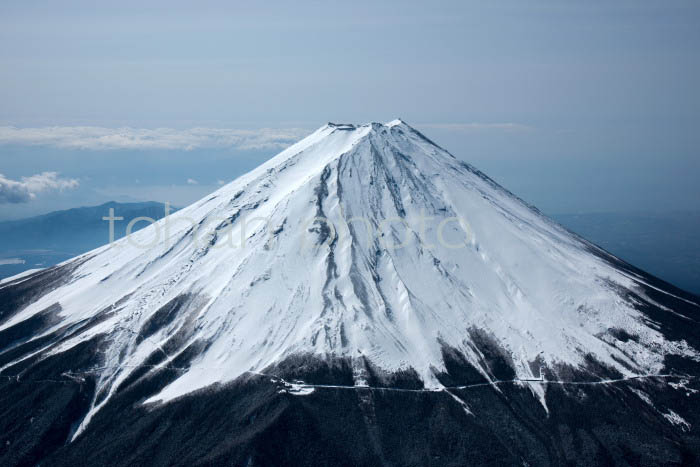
x,y
575,106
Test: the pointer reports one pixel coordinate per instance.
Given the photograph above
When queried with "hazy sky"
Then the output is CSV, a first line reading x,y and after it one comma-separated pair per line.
x,y
575,106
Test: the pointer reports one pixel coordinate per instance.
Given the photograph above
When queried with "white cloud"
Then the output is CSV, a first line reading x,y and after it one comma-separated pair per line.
x,y
26,189
476,126
220,182
98,138
192,181
11,261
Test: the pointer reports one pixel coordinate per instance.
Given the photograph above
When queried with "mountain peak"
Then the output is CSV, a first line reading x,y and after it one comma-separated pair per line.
x,y
363,257
363,243
353,126
396,122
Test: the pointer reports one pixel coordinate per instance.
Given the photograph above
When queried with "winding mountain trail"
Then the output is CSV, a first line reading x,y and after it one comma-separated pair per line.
x,y
79,378
491,383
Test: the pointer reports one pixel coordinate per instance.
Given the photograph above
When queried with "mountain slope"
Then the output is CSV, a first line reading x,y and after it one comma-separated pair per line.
x,y
362,257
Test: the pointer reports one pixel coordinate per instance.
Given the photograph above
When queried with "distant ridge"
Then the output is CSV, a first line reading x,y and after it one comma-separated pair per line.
x,y
45,240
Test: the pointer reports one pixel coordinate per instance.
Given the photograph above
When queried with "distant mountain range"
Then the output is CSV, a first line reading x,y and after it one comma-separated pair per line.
x,y
42,241
665,244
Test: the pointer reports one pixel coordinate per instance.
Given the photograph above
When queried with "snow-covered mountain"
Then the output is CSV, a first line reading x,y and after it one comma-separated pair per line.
x,y
362,257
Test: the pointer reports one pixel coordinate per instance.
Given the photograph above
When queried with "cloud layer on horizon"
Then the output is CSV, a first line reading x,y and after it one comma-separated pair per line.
x,y
27,188
100,138
477,126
